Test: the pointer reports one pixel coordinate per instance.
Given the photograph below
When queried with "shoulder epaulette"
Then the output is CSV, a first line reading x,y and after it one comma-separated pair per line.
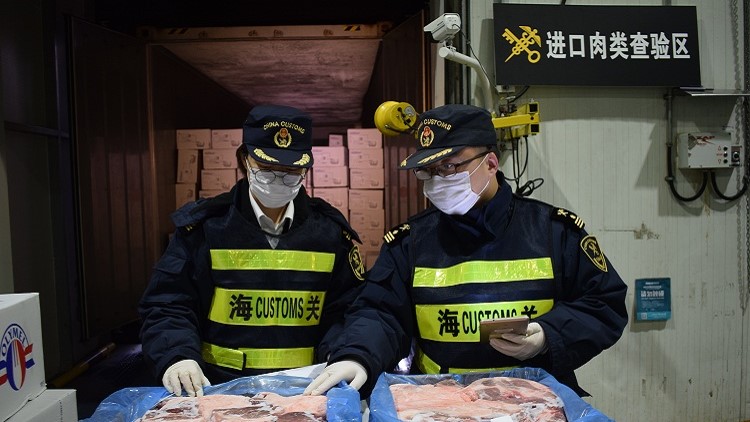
x,y
396,233
567,217
329,210
193,213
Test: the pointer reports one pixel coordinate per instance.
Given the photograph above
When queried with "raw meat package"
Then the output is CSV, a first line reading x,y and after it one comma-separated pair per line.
x,y
262,397
221,407
518,395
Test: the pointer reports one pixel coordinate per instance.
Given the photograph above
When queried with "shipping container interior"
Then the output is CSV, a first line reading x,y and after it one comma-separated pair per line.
x,y
94,93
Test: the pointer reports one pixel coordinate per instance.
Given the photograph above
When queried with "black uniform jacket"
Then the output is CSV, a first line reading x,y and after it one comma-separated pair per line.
x,y
437,276
222,296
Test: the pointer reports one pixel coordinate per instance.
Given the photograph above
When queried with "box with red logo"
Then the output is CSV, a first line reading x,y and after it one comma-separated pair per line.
x,y
21,357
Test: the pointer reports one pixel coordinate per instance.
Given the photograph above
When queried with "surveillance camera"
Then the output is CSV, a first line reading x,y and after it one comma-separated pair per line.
x,y
444,27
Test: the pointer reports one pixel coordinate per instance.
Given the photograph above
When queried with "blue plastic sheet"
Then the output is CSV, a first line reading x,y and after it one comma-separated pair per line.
x,y
383,409
129,404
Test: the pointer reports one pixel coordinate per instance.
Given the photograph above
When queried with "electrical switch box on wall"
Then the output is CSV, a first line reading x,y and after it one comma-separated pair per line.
x,y
708,150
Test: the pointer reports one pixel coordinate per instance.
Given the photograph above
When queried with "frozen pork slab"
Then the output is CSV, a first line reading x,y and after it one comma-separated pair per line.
x,y
218,408
487,398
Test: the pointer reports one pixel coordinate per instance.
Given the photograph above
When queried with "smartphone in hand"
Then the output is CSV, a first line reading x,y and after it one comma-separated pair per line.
x,y
516,325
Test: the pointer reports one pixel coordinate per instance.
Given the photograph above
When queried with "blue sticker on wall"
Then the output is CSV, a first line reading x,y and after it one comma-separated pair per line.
x,y
653,299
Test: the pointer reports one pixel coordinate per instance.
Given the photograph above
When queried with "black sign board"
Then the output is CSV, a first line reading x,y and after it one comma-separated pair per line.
x,y
596,45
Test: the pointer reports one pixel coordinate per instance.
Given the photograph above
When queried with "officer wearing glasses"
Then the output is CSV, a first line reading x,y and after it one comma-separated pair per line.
x,y
254,280
479,253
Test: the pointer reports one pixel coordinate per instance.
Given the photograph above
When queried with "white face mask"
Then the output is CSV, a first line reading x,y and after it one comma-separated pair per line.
x,y
453,194
272,195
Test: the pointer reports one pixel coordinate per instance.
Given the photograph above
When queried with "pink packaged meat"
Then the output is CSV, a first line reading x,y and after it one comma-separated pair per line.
x,y
265,406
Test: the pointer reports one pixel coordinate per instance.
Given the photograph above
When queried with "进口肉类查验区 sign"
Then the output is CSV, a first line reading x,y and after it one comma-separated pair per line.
x,y
596,45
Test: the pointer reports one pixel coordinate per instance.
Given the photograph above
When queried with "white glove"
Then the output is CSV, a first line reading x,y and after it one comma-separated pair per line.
x,y
346,370
520,346
188,373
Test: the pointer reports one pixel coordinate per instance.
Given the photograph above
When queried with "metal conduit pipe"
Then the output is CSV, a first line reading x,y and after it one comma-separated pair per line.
x,y
451,54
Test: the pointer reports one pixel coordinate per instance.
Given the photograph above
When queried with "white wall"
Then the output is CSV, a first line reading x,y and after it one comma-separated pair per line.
x,y
602,153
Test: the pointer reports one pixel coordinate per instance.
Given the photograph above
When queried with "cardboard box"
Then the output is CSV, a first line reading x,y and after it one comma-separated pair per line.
x,y
187,166
362,158
22,357
367,178
364,138
184,193
329,156
330,177
335,139
219,158
372,239
218,179
226,138
366,199
193,138
50,406
367,220
338,197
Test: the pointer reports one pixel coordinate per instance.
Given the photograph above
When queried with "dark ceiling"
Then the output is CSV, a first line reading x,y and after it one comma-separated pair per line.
x,y
126,16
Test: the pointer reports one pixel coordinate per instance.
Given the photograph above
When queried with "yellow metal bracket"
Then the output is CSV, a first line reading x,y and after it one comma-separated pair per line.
x,y
522,122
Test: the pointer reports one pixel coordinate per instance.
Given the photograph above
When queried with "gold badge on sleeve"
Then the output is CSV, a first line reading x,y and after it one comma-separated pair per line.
x,y
355,261
592,250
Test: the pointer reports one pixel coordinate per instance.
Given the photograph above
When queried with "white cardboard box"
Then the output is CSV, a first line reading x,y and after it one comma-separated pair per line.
x,y
21,352
219,158
226,138
367,178
193,138
364,138
329,156
360,158
330,177
366,199
50,406
338,197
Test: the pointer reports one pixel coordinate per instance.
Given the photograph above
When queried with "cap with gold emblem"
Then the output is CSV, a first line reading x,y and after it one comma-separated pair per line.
x,y
445,130
279,135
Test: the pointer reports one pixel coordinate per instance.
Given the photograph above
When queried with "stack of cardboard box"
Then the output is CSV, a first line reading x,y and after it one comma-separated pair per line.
x,y
366,183
24,396
206,163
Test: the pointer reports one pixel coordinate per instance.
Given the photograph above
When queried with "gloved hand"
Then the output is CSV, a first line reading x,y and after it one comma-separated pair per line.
x,y
185,373
346,370
520,346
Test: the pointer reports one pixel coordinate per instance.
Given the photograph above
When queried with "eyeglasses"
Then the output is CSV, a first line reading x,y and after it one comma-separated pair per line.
x,y
445,169
268,176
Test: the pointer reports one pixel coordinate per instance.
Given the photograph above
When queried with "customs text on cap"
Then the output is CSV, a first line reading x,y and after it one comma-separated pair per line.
x,y
446,130
279,135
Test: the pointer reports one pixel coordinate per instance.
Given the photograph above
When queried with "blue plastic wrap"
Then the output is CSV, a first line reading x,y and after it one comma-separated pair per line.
x,y
383,409
129,404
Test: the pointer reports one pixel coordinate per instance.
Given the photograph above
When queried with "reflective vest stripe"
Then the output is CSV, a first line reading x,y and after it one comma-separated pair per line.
x,y
270,259
257,358
460,322
266,307
429,366
484,272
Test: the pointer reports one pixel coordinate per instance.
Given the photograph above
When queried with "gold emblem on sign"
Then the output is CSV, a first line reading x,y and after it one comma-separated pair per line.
x,y
282,138
355,261
522,44
426,137
592,250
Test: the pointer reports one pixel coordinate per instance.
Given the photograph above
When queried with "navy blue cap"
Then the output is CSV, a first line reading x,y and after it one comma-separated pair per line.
x,y
446,130
279,135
